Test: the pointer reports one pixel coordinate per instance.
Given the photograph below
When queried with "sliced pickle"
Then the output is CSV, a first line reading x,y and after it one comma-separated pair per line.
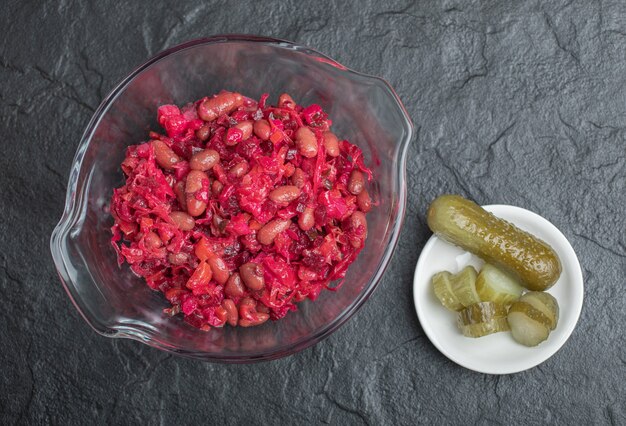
x,y
481,312
545,303
494,284
531,312
485,328
525,330
456,291
482,318
464,286
443,290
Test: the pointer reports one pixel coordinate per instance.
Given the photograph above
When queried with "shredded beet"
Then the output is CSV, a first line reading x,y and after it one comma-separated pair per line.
x,y
241,209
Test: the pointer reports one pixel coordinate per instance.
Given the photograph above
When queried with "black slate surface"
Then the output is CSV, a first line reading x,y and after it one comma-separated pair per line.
x,y
514,102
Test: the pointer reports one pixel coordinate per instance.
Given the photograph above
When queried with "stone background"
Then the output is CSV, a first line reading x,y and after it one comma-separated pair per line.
x,y
515,102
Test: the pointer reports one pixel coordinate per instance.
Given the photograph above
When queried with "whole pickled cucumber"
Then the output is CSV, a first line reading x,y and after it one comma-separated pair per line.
x,y
469,226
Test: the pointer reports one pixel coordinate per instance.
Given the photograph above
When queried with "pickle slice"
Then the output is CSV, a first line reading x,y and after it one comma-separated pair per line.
x,y
525,330
456,291
483,318
443,290
464,286
545,303
532,313
496,285
481,312
485,328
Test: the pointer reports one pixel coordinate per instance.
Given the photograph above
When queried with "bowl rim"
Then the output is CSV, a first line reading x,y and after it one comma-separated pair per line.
x,y
75,202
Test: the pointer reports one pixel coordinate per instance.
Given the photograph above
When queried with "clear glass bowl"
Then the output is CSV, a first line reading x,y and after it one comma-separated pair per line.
x,y
364,110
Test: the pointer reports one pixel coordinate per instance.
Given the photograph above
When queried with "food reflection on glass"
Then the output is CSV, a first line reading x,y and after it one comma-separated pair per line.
x,y
241,209
492,300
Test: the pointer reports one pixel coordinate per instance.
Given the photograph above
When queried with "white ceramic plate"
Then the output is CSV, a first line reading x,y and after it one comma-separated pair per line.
x,y
496,353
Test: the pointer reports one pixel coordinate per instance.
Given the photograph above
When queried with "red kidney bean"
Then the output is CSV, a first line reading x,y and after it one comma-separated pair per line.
x,y
204,160
178,258
195,207
246,129
286,101
262,129
252,275
219,268
356,183
239,169
285,194
224,103
183,221
203,132
356,221
194,181
306,142
234,286
247,308
231,312
331,143
179,190
272,228
261,318
152,240
163,154
306,220
298,178
364,201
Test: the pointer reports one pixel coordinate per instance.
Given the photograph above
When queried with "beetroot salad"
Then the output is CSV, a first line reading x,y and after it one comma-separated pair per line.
x,y
241,209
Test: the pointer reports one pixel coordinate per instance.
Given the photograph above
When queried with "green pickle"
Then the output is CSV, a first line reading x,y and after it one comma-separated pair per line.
x,y
486,328
443,290
464,286
532,317
456,291
544,303
525,330
496,285
531,312
481,319
500,243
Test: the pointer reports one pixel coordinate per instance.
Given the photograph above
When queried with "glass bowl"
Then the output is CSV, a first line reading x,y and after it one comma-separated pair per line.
x,y
116,303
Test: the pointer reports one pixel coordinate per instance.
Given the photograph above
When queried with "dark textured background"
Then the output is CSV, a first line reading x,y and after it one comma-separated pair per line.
x,y
514,102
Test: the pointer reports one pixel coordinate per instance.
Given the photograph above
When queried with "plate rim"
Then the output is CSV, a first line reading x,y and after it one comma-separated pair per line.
x,y
578,281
